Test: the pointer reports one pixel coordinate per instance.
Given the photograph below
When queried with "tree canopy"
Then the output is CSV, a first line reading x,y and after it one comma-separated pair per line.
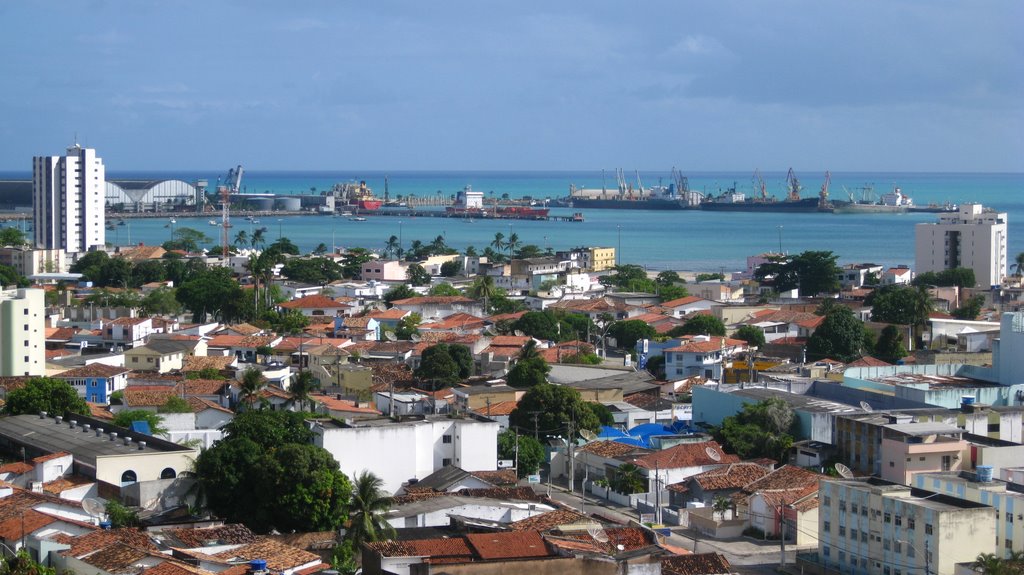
x,y
762,429
530,369
316,271
553,405
699,325
840,336
267,475
904,305
441,366
959,277
813,272
751,335
531,452
628,332
48,394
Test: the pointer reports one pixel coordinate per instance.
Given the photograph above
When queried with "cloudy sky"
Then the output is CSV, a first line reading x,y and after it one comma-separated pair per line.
x,y
928,85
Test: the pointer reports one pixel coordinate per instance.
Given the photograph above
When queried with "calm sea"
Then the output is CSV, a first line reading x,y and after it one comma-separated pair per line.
x,y
683,240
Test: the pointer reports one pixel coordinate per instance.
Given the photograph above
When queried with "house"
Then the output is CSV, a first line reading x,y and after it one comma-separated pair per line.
x,y
366,328
852,276
900,275
439,306
676,463
128,331
449,479
717,291
704,488
244,347
786,498
416,445
701,355
341,409
685,306
161,355
96,382
316,305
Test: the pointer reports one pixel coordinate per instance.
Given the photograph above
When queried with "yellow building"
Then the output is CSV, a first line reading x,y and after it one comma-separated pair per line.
x,y
601,259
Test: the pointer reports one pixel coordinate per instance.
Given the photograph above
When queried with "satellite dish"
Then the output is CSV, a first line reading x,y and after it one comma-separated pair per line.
x,y
94,507
713,453
490,330
519,333
866,406
597,533
843,471
588,435
415,338
390,336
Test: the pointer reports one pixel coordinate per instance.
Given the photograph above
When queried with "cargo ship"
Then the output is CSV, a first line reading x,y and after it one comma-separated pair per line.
x,y
675,196
733,201
350,195
894,202
470,204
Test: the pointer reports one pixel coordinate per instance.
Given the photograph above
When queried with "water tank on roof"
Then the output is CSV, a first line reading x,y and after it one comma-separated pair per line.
x,y
984,473
967,400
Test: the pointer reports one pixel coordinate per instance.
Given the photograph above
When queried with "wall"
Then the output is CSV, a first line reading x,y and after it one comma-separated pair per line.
x,y
165,493
147,466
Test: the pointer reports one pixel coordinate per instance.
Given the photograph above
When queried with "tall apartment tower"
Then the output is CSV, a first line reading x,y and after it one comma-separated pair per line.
x,y
68,200
970,238
22,332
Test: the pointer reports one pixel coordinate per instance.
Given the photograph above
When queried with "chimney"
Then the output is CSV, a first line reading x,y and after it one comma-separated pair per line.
x,y
72,423
113,436
99,431
127,440
86,427
142,445
58,419
42,415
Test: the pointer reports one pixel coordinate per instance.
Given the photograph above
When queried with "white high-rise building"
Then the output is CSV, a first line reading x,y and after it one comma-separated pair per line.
x,y
970,238
67,200
22,332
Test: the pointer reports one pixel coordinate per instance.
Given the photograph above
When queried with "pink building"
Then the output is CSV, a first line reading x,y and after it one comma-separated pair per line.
x,y
911,448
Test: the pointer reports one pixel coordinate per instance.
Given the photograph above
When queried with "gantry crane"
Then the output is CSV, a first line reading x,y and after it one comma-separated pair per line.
x,y
232,183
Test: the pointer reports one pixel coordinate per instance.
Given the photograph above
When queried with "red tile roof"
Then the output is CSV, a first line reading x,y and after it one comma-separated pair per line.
x,y
685,455
698,564
508,545
713,344
547,521
682,301
867,361
24,523
316,301
732,476
50,457
433,300
782,486
93,370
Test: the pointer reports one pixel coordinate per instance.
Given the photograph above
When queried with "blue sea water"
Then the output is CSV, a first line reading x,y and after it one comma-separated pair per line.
x,y
681,240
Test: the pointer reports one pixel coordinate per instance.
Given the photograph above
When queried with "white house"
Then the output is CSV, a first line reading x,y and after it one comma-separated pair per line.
x,y
411,448
703,355
687,305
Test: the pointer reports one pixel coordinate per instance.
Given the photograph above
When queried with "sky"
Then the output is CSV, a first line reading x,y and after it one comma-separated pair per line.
x,y
929,85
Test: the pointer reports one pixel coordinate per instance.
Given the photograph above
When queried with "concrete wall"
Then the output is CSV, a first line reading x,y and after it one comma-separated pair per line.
x,y
165,493
147,466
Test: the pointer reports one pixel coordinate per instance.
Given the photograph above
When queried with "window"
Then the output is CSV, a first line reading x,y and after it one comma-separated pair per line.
x,y
910,551
928,528
828,501
842,506
149,360
887,570
898,547
863,536
168,473
920,458
842,531
853,508
887,544
827,527
446,461
1009,517
899,520
853,534
128,477
864,511
892,464
910,522
446,439
842,556
888,517
827,551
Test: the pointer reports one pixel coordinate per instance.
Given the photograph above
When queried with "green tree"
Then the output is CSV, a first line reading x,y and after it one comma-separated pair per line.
x,y
463,358
11,237
126,417
22,563
211,292
316,271
284,246
817,271
959,277
603,414
51,395
671,292
483,288
531,452
530,369
840,336
187,239
451,268
750,334
628,332
890,345
10,277
700,325
148,271
252,384
1018,265
554,406
969,308
121,516
668,277
907,305
392,248
417,275
706,277
367,507
161,301
438,368
762,429
628,479
408,326
175,404
399,292
352,262
538,324
302,387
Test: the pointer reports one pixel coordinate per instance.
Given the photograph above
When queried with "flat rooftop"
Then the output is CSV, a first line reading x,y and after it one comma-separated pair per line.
x,y
933,381
798,401
46,435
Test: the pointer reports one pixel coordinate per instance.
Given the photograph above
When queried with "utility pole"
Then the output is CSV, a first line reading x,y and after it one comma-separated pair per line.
x,y
782,536
536,428
927,559
569,449
516,467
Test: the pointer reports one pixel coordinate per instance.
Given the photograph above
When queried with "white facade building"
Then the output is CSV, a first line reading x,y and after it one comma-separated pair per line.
x,y
971,238
22,332
67,200
397,451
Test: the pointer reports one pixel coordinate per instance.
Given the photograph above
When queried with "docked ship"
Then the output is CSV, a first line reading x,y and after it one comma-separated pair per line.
x,y
470,204
894,202
734,201
353,196
675,196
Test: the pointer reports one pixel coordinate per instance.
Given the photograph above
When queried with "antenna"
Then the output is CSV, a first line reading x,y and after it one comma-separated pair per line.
x,y
597,533
866,406
519,333
588,435
94,507
713,453
390,336
843,471
415,338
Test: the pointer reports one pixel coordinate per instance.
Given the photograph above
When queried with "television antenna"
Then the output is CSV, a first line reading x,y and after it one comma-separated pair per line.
x,y
94,507
390,336
519,333
866,406
588,435
843,471
713,453
597,532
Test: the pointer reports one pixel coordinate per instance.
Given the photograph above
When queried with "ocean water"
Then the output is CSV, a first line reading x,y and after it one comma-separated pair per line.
x,y
681,240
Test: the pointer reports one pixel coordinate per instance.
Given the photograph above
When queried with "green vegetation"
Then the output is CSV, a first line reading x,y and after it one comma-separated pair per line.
x,y
121,516
706,277
969,308
530,369
630,277
408,326
316,271
628,480
959,277
531,452
699,325
366,510
444,289
750,334
443,365
51,395
840,336
554,406
417,275
10,277
11,237
628,332
813,272
175,404
762,429
126,417
890,345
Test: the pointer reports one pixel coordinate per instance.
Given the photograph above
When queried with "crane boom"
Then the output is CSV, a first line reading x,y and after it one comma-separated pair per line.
x,y
232,184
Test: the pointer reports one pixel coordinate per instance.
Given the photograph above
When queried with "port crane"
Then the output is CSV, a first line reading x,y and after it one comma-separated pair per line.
x,y
794,187
760,185
823,194
231,184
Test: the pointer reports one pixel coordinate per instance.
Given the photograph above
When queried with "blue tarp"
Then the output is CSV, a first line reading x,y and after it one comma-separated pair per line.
x,y
141,427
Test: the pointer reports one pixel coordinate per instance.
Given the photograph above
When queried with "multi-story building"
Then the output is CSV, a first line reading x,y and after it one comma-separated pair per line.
x,y
970,238
871,526
594,259
22,332
416,446
981,488
68,197
29,261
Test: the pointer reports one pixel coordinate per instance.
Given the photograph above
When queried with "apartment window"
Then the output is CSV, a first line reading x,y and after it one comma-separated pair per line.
x,y
446,461
446,439
888,517
892,464
863,536
149,360
853,534
887,570
864,511
899,521
828,501
827,527
853,508
827,551
26,327
928,528
842,556
842,531
898,547
910,551
887,544
910,522
26,343
921,458
1009,517
24,311
1008,544
842,506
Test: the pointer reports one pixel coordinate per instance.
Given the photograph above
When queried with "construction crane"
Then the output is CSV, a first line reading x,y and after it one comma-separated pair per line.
x,y
232,183
823,194
793,185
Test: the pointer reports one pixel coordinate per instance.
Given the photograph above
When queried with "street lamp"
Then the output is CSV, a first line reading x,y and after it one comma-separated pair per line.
x,y
399,238
780,240
278,228
618,251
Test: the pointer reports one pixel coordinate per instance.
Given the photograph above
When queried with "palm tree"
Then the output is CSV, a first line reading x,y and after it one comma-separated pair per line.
x,y
438,246
241,238
499,241
302,386
1018,266
391,247
257,240
628,479
483,288
720,505
513,243
529,351
252,383
991,564
366,510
